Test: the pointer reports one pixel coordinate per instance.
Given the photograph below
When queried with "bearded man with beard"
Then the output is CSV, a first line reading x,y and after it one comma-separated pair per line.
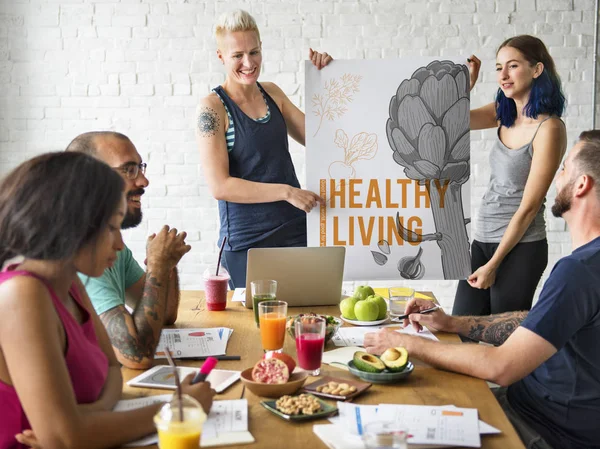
x,y
546,360
151,295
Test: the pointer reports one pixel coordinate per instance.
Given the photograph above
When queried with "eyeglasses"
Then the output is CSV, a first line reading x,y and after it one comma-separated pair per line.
x,y
132,170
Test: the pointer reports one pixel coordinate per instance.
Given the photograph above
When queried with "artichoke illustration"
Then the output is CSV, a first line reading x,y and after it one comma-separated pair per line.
x,y
428,131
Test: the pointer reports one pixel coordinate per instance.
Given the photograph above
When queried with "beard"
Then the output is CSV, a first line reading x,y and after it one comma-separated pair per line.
x,y
133,217
562,202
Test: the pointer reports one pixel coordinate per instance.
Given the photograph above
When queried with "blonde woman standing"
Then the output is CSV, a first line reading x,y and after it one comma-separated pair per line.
x,y
242,131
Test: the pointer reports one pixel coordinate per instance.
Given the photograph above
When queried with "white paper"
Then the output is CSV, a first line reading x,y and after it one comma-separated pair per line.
x,y
353,417
193,342
132,404
425,333
162,377
434,424
335,437
340,357
484,428
373,145
226,416
227,422
239,295
355,336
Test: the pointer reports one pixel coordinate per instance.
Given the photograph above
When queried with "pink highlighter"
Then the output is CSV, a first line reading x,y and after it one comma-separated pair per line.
x,y
205,370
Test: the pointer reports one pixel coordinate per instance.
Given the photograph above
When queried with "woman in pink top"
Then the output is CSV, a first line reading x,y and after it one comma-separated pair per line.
x,y
62,213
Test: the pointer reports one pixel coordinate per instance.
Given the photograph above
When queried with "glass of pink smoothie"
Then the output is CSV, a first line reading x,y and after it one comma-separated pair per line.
x,y
310,342
215,288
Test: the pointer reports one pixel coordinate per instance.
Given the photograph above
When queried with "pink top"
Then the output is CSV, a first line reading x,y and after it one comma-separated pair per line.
x,y
87,365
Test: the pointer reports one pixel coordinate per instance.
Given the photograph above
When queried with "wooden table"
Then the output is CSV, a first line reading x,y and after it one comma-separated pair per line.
x,y
425,386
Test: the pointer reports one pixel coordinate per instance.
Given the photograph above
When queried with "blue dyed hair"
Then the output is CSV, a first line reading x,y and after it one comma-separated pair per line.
x,y
546,96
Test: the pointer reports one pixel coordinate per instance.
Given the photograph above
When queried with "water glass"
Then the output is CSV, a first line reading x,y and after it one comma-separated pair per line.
x,y
399,297
385,435
310,342
262,291
272,318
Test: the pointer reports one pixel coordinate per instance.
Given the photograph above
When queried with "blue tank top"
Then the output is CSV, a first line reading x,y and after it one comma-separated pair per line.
x,y
260,153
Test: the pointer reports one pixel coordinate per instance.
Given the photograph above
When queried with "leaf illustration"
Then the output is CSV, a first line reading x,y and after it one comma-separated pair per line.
x,y
341,139
380,259
384,246
362,146
332,104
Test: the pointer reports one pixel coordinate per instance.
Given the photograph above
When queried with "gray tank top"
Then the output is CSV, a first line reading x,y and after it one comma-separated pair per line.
x,y
509,173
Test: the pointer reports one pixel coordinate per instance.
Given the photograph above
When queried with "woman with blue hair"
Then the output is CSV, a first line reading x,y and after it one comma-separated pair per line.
x,y
509,251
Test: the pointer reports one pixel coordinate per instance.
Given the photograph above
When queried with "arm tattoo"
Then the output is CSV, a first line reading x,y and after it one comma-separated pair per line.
x,y
130,346
494,329
207,122
138,339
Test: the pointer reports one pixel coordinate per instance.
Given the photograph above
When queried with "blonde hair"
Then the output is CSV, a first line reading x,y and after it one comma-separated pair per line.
x,y
232,21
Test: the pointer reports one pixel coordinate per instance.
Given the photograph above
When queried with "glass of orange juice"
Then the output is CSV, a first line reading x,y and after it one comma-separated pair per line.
x,y
272,317
175,433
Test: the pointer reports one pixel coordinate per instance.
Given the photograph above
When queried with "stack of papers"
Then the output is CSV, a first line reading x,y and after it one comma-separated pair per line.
x,y
355,336
428,426
227,422
193,342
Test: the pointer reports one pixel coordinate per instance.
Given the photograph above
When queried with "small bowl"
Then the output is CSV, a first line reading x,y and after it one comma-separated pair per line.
x,y
273,390
330,330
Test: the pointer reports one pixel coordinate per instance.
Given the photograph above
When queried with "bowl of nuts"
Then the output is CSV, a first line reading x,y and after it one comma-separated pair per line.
x,y
300,408
336,388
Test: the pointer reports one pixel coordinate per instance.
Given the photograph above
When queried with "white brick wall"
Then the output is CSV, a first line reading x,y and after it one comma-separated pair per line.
x,y
139,67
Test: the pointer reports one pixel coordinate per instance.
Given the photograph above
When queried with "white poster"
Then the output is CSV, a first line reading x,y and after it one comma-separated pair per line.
x,y
388,149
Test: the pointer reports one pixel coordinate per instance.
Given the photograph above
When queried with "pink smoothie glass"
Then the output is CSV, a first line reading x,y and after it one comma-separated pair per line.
x,y
215,288
310,342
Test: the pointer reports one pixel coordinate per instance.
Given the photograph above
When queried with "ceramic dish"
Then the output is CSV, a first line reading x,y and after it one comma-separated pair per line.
x,y
364,323
361,387
381,378
273,390
326,411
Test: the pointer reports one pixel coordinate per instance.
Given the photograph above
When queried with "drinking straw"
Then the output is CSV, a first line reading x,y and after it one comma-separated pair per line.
x,y
177,382
220,254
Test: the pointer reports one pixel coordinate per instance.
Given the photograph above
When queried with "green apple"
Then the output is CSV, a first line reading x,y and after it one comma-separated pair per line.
x,y
347,307
366,310
381,304
363,292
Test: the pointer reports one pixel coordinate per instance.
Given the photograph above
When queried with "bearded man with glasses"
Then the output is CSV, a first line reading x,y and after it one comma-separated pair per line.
x,y
152,296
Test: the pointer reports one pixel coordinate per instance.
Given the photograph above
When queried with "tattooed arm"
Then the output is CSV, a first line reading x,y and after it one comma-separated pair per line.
x,y
492,329
520,350
211,124
135,336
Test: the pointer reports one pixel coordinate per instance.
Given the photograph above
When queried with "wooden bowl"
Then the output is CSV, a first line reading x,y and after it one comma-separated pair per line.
x,y
274,390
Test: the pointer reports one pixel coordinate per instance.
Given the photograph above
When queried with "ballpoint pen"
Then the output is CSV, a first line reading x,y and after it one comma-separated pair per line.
x,y
431,309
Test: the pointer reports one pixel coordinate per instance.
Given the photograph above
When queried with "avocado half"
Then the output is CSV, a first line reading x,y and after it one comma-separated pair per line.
x,y
367,362
395,359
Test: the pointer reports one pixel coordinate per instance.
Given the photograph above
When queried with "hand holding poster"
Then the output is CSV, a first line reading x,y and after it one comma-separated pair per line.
x,y
388,150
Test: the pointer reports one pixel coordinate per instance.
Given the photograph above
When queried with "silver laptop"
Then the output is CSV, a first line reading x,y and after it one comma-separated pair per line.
x,y
305,276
